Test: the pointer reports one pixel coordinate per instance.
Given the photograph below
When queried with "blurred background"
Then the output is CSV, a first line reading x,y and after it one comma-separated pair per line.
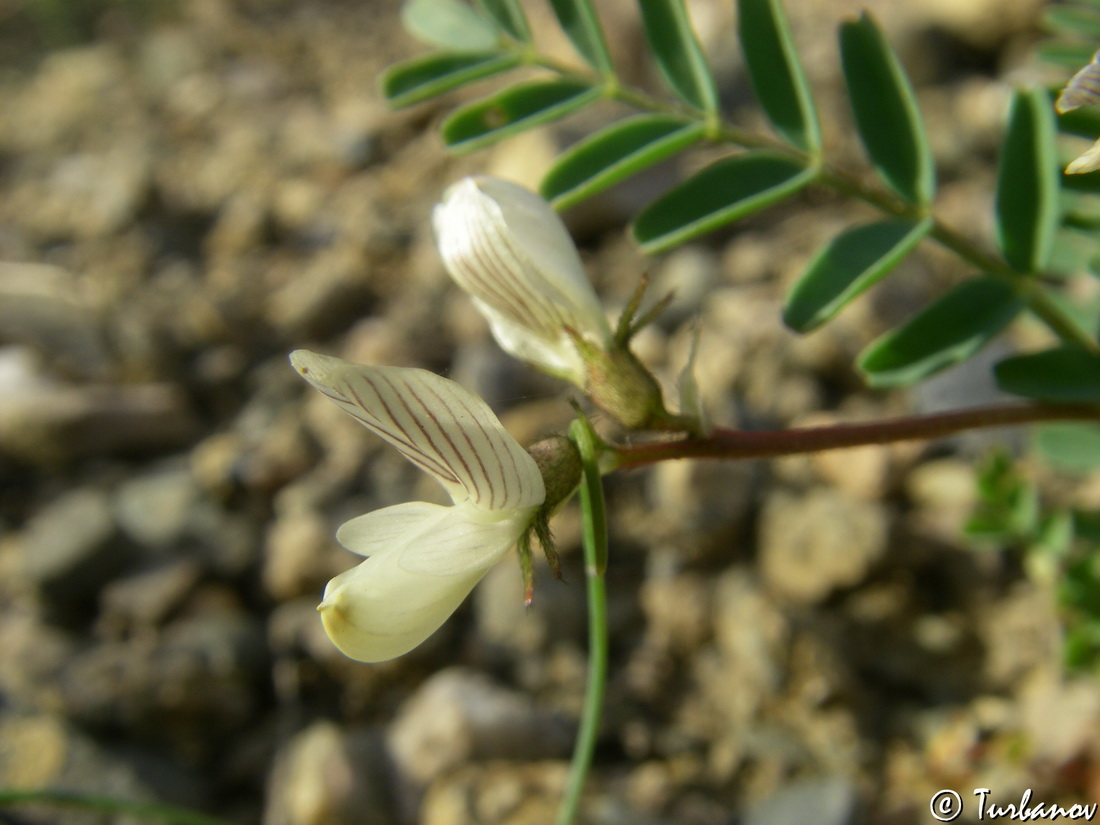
x,y
193,188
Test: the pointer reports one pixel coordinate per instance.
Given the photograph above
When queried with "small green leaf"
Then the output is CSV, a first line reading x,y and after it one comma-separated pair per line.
x,y
423,78
449,24
846,267
581,25
719,194
1070,446
1064,374
948,331
678,53
617,152
1027,183
509,16
776,73
886,113
1067,55
514,110
1075,21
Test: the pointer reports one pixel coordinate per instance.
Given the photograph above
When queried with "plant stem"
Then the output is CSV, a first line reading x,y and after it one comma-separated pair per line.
x,y
741,444
154,811
595,563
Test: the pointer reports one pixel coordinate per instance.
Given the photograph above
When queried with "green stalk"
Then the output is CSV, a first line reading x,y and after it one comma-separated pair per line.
x,y
595,563
153,811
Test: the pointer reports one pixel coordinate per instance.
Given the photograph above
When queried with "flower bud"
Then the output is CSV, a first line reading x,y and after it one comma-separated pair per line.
x,y
511,252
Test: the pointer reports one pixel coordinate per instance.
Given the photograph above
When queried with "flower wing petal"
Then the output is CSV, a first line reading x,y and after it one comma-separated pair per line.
x,y
395,599
438,425
433,540
391,528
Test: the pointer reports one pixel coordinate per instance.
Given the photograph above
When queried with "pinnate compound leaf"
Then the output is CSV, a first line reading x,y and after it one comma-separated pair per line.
x,y
719,194
1027,183
949,330
885,111
1065,374
678,53
514,110
776,73
617,152
509,16
423,78
848,265
581,25
449,24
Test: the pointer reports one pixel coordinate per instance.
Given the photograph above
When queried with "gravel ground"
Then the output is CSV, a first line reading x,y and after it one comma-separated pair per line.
x,y
189,197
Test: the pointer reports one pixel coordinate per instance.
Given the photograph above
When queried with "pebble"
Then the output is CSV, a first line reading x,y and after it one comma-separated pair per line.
x,y
459,715
814,543
329,775
71,549
824,801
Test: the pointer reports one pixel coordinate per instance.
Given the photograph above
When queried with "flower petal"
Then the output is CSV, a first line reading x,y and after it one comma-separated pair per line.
x,y
439,426
430,539
505,246
382,608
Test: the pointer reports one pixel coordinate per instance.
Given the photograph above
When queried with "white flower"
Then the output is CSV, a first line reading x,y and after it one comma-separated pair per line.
x,y
506,247
422,559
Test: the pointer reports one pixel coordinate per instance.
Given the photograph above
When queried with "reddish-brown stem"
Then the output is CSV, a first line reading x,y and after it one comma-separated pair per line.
x,y
737,444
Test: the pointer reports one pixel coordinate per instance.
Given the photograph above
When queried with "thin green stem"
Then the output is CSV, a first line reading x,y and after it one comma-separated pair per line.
x,y
153,811
595,563
741,444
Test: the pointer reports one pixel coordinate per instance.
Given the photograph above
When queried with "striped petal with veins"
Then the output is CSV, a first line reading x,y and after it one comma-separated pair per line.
x,y
510,251
422,559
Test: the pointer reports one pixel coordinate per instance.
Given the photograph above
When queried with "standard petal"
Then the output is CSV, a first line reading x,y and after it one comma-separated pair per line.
x,y
398,597
508,249
439,426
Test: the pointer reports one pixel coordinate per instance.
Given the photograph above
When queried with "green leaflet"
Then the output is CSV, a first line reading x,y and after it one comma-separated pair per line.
x,y
776,73
1065,374
1068,55
617,152
885,111
947,331
719,194
425,77
581,25
847,266
509,16
1081,22
514,110
1027,183
449,24
678,53
1071,446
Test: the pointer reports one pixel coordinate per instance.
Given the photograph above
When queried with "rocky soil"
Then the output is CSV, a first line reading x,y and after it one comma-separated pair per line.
x,y
190,194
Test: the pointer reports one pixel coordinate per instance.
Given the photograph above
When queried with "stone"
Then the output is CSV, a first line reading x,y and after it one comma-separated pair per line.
x,y
459,715
327,775
823,801
71,549
815,543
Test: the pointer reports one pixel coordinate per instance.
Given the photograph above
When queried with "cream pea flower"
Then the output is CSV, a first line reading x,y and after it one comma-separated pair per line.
x,y
422,559
511,252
